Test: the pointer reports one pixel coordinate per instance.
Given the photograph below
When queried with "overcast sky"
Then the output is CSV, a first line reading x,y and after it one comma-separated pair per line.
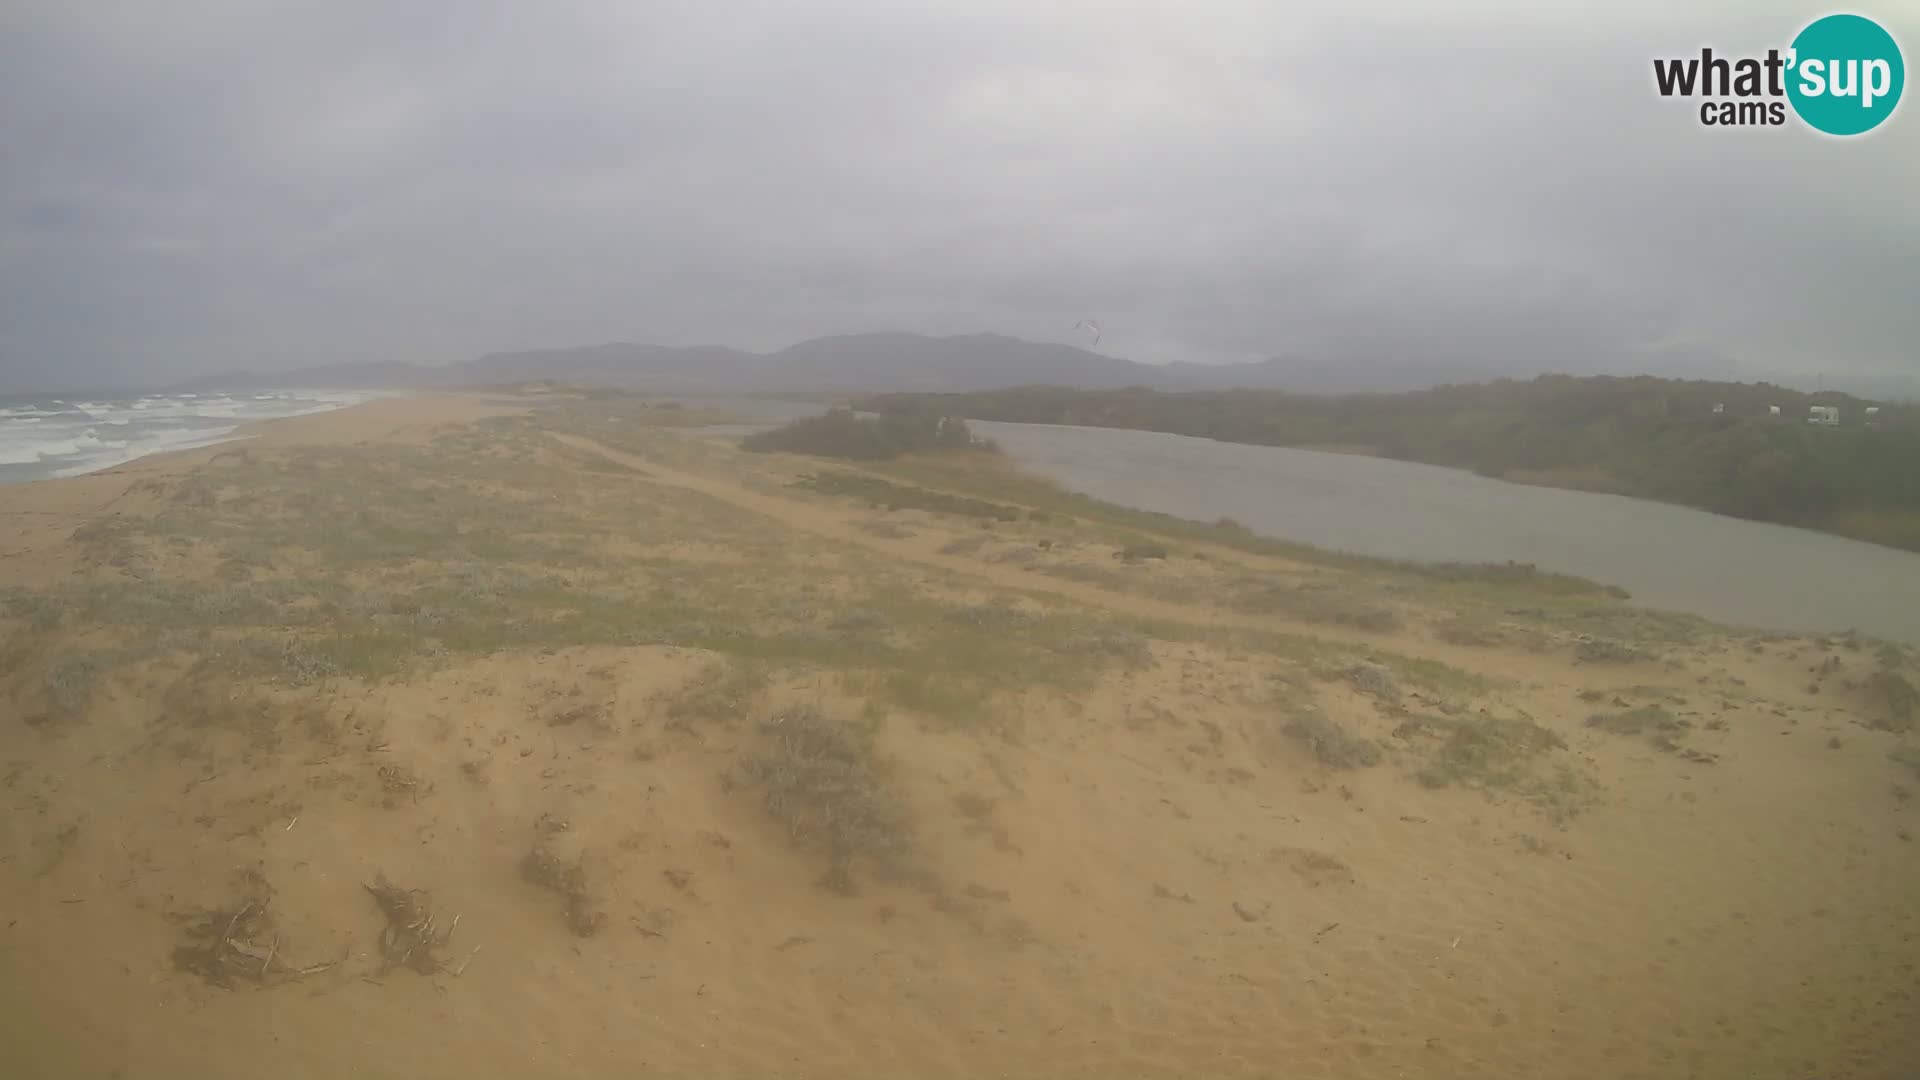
x,y
192,186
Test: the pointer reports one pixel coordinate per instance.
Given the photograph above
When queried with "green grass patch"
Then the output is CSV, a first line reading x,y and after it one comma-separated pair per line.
x,y
40,611
1478,751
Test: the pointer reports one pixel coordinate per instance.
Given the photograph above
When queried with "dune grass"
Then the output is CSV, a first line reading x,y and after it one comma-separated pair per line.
x,y
1497,754
310,565
824,782
304,566
1330,743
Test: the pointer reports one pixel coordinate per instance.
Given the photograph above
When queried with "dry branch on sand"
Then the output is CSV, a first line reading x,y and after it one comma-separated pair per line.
x,y
239,945
410,938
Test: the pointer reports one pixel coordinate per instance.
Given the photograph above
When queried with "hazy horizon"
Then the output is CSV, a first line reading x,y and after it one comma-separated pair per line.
x,y
195,189
1895,386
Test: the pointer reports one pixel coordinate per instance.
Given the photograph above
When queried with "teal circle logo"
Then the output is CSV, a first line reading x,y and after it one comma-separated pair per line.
x,y
1845,75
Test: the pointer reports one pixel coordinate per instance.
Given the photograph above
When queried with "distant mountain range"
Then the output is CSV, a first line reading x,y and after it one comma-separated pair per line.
x,y
853,363
896,362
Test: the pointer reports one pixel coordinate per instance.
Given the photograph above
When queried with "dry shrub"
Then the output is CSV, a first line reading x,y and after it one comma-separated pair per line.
x,y
234,943
1374,682
1663,730
70,683
1647,718
409,939
238,944
401,785
1482,751
1602,651
822,780
1332,744
722,692
1895,702
1109,642
568,877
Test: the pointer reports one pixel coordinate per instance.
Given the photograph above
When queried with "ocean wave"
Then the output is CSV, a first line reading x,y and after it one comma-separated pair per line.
x,y
110,454
68,440
30,452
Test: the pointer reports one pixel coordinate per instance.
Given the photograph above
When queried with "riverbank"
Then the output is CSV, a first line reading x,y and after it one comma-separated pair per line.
x,y
1668,557
712,763
1727,448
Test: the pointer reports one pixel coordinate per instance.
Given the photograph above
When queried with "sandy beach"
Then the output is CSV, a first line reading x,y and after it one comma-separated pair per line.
x,y
469,736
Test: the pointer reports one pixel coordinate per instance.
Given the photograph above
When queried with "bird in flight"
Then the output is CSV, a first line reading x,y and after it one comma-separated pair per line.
x,y
1089,324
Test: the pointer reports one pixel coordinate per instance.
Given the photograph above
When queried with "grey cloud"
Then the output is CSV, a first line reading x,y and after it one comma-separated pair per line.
x,y
197,186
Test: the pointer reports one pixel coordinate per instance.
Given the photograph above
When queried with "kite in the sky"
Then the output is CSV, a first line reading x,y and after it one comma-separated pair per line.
x,y
1089,324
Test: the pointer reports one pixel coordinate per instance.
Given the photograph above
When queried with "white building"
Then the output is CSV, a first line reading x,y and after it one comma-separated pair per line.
x,y
1824,415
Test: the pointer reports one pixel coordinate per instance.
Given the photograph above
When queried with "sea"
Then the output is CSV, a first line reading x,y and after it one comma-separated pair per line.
x,y
47,437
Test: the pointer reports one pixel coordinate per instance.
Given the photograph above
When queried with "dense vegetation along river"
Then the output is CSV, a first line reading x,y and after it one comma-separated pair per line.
x,y
1725,569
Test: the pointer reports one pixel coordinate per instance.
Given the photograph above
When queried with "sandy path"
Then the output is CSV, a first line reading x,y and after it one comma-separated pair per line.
x,y
809,519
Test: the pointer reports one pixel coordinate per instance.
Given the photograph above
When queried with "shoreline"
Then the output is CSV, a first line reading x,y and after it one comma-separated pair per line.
x,y
42,514
61,439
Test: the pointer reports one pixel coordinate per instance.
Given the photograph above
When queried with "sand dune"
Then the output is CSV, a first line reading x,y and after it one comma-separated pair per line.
x,y
729,772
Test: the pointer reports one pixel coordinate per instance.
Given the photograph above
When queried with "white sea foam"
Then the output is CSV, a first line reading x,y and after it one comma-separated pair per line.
x,y
50,438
